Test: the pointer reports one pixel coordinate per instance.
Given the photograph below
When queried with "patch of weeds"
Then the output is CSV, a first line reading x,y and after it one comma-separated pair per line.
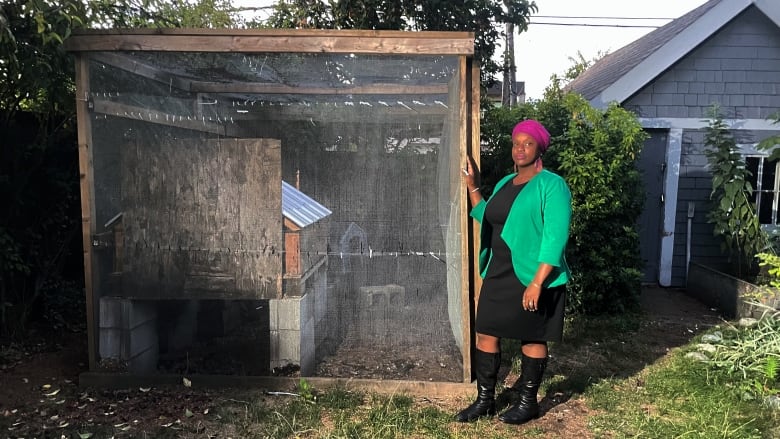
x,y
278,418
391,417
245,412
339,398
306,391
674,398
605,395
297,416
748,355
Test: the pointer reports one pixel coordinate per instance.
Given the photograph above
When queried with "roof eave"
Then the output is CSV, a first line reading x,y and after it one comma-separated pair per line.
x,y
771,8
676,48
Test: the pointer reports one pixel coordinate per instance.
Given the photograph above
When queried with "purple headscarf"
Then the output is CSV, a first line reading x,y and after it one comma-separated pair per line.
x,y
539,133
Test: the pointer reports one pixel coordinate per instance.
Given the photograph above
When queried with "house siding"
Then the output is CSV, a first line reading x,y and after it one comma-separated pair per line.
x,y
737,68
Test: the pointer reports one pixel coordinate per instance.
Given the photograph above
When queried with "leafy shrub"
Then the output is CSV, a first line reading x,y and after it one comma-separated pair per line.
x,y
732,213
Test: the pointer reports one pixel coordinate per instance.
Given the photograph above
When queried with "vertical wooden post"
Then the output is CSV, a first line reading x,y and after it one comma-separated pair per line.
x,y
292,249
474,151
84,128
465,94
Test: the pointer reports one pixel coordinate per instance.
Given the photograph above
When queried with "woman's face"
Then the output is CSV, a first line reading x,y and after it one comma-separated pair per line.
x,y
525,150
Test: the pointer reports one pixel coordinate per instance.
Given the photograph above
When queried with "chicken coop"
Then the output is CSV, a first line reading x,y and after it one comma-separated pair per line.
x,y
277,203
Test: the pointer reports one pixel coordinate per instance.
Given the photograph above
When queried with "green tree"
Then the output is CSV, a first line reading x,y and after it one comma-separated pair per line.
x,y
39,225
579,64
483,17
160,13
38,170
732,212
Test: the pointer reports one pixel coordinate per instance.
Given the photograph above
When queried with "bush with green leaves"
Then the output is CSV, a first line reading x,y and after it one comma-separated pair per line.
x,y
732,212
596,151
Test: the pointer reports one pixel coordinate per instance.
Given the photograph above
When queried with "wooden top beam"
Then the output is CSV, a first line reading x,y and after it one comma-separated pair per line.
x,y
273,40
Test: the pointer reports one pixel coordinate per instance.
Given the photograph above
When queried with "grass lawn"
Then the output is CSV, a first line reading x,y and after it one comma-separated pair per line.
x,y
675,371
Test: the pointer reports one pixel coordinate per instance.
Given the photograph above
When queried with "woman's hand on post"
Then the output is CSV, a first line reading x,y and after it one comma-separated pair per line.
x,y
471,175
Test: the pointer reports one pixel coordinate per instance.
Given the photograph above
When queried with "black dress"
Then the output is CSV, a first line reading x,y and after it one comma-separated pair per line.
x,y
500,310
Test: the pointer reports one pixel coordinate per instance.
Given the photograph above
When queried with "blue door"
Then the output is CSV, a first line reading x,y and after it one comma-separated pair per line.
x,y
652,162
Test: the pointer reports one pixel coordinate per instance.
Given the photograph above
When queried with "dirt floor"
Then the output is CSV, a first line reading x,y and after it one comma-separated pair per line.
x,y
40,395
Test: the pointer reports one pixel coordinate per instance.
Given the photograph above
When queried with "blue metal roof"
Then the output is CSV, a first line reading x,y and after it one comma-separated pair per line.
x,y
300,208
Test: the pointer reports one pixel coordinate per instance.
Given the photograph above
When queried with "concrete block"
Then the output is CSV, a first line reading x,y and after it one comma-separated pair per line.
x,y
145,361
288,348
286,313
142,338
320,295
379,306
110,342
110,312
128,332
273,348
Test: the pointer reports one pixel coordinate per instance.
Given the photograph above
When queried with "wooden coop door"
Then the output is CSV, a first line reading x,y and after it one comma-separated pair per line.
x,y
202,219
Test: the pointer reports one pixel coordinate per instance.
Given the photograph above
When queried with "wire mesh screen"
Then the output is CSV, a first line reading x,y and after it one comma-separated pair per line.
x,y
278,214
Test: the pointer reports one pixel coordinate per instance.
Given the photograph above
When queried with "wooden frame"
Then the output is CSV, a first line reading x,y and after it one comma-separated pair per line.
x,y
276,40
86,183
461,44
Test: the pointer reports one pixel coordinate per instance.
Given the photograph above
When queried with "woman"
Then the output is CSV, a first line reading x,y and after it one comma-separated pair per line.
x,y
524,230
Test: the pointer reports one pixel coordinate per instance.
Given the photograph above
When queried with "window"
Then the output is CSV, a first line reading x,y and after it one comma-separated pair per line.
x,y
766,187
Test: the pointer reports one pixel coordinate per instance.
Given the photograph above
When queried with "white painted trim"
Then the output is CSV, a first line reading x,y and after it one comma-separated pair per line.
x,y
690,123
671,185
771,8
671,52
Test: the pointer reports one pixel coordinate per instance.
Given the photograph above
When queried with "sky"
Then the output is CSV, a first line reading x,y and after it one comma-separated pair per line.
x,y
546,49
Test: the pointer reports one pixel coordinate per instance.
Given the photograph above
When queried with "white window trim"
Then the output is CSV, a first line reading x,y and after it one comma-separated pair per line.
x,y
750,150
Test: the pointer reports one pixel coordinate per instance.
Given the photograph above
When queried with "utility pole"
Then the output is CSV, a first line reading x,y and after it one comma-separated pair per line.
x,y
508,92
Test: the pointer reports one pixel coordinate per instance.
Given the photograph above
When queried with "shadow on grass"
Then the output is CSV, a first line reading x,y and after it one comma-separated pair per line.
x,y
611,347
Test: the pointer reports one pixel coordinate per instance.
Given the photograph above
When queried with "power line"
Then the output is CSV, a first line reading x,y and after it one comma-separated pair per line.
x,y
594,25
600,18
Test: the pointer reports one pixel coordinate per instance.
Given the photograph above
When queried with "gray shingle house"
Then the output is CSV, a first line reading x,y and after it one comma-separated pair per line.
x,y
725,52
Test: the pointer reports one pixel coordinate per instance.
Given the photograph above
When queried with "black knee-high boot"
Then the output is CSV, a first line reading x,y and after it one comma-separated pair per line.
x,y
527,408
486,365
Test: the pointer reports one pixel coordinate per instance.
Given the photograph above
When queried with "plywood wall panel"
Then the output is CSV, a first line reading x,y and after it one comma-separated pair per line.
x,y
202,219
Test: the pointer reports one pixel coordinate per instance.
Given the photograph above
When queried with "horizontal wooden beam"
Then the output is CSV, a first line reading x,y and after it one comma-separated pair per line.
x,y
265,88
148,71
142,69
274,40
144,114
332,114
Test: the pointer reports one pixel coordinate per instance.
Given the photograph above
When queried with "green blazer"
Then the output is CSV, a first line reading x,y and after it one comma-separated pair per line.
x,y
536,229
